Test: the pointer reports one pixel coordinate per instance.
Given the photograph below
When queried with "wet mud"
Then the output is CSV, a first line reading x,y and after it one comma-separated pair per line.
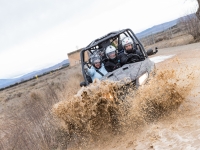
x,y
105,113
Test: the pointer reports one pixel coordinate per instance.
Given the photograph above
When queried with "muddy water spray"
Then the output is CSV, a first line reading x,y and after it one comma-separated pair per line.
x,y
98,111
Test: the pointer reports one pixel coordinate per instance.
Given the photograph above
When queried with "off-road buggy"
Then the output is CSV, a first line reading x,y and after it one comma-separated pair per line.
x,y
137,72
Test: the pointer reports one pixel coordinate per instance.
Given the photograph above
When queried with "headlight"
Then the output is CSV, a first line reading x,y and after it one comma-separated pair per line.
x,y
143,78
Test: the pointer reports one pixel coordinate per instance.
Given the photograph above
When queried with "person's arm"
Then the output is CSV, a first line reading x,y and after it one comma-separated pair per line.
x,y
140,54
108,67
90,71
123,59
118,64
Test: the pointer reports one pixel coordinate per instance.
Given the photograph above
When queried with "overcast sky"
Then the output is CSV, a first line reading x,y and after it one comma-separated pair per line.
x,y
35,34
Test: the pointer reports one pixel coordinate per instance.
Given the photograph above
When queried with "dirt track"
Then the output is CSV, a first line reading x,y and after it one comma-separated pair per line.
x,y
179,130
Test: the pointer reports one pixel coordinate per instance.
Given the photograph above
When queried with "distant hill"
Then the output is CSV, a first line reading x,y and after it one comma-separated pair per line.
x,y
161,27
7,82
157,28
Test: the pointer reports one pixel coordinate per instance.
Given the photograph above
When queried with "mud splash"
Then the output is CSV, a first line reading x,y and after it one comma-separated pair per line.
x,y
95,110
99,111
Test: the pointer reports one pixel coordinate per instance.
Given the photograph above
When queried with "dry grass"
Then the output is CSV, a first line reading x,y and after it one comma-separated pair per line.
x,y
26,122
176,41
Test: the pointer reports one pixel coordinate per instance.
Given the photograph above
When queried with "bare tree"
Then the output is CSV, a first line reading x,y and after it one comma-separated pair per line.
x,y
190,25
198,10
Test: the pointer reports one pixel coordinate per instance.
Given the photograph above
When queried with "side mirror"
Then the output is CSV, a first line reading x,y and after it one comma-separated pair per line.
x,y
156,50
151,52
83,84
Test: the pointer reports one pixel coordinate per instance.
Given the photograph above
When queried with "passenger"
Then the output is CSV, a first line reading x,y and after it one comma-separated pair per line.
x,y
130,54
97,69
113,60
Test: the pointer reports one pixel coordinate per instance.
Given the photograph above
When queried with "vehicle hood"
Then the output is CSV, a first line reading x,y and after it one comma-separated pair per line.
x,y
130,71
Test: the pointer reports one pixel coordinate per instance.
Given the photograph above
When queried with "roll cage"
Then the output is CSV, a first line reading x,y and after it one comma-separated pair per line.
x,y
99,45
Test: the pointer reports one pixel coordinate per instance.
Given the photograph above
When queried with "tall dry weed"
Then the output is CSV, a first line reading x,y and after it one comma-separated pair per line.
x,y
34,127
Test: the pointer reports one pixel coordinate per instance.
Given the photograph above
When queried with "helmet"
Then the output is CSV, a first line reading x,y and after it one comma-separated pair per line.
x,y
110,50
127,40
95,59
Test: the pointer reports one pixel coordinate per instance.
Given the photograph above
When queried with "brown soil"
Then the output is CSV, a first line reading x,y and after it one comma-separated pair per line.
x,y
179,129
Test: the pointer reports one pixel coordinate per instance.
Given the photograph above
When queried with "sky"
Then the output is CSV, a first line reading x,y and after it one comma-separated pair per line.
x,y
36,34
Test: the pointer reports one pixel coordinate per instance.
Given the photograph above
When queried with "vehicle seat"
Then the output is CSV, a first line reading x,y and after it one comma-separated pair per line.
x,y
120,48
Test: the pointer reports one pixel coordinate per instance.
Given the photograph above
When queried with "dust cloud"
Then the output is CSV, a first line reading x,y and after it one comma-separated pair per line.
x,y
105,112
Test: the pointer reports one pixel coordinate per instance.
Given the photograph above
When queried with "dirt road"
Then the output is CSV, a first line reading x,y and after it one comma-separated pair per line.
x,y
180,129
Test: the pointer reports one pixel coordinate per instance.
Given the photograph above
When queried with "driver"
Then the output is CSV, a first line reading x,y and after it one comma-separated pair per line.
x,y
97,69
130,54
